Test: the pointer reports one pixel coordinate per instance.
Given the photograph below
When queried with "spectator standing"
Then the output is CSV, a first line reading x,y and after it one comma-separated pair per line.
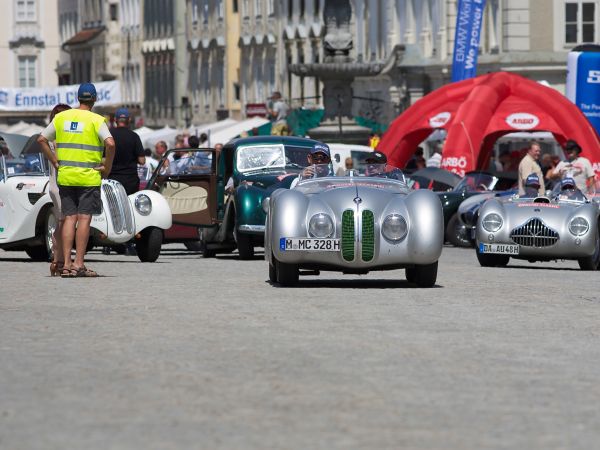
x,y
576,167
278,113
57,263
4,149
151,162
348,165
417,161
528,165
81,138
435,160
129,152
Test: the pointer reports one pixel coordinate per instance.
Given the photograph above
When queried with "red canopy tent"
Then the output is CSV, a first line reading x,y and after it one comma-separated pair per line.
x,y
477,111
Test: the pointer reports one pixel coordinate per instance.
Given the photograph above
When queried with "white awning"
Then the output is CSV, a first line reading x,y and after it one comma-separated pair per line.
x,y
225,135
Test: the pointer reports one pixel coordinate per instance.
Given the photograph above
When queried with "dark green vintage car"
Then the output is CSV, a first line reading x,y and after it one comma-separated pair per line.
x,y
259,165
473,183
216,196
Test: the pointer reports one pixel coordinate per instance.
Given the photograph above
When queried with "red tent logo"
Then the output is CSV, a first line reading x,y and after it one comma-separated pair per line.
x,y
439,120
522,121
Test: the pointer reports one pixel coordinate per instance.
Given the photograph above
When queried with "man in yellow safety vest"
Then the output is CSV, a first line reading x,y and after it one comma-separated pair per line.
x,y
81,139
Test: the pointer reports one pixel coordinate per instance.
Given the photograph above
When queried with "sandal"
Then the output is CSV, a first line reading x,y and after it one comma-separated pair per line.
x,y
85,272
56,268
68,273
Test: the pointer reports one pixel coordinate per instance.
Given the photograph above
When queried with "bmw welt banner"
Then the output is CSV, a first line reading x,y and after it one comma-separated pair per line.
x,y
583,84
469,16
44,99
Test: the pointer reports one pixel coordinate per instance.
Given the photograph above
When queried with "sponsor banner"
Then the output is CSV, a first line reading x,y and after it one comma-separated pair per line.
x,y
469,17
439,120
44,99
457,165
256,110
583,84
522,121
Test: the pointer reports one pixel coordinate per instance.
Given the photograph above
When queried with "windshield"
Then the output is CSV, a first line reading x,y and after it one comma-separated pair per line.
x,y
476,182
567,195
270,156
30,164
187,162
319,177
382,171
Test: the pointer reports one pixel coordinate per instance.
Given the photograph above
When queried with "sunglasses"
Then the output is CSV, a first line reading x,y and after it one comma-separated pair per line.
x,y
320,157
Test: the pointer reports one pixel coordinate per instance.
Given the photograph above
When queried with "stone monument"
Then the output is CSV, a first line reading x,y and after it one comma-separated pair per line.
x,y
337,72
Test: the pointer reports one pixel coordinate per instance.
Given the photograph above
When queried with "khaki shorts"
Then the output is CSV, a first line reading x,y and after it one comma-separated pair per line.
x,y
80,200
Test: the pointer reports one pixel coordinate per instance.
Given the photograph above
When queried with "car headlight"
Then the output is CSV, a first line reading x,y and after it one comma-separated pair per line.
x,y
492,222
143,204
320,226
579,226
394,227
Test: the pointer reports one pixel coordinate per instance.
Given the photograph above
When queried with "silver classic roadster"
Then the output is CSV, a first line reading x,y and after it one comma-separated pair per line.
x,y
367,220
563,225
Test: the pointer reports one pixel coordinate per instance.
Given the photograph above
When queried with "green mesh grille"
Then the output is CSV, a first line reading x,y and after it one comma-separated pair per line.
x,y
348,235
368,235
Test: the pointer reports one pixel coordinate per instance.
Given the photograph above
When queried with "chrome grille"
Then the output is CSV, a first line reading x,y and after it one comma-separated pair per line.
x,y
534,233
118,207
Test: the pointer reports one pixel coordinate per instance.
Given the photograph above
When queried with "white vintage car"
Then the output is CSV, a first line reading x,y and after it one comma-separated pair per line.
x,y
27,217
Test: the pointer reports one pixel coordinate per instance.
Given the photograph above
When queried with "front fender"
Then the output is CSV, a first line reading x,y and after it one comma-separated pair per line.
x,y
248,205
426,235
159,217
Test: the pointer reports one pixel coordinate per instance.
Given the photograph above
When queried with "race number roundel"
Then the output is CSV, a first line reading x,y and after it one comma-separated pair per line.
x,y
522,121
439,120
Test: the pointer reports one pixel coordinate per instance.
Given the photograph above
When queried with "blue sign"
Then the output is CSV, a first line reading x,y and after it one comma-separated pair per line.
x,y
583,84
469,17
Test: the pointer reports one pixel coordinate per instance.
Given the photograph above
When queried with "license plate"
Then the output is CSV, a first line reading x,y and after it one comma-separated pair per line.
x,y
309,245
504,249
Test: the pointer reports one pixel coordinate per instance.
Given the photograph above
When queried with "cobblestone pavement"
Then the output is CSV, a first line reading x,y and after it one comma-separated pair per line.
x,y
205,353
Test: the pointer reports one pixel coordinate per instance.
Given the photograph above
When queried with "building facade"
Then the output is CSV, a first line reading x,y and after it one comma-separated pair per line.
x,y
165,68
132,60
206,45
30,52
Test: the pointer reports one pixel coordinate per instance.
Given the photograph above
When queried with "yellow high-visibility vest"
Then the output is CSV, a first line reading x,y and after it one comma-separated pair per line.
x,y
78,147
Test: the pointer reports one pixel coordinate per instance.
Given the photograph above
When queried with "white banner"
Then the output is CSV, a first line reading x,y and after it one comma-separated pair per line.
x,y
44,99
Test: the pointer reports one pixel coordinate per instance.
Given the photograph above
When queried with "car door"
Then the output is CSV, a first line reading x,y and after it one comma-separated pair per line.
x,y
187,179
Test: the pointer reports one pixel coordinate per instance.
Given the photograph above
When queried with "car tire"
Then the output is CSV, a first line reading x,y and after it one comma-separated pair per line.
x,y
424,275
43,252
457,233
591,262
410,274
193,246
272,273
149,245
244,245
38,253
287,274
490,260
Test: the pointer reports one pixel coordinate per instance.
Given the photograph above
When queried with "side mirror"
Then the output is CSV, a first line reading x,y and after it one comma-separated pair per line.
x,y
265,204
336,157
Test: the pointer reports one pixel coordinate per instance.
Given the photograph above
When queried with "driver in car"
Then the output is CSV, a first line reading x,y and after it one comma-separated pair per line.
x,y
569,190
319,155
531,186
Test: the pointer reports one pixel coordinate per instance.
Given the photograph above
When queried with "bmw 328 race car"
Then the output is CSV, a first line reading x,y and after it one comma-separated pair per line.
x,y
368,220
561,226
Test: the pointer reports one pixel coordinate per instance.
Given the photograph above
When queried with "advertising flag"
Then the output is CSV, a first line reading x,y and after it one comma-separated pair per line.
x,y
469,16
